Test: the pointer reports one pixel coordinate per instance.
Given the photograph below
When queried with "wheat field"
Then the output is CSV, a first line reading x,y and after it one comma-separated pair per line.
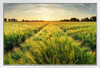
x,y
49,43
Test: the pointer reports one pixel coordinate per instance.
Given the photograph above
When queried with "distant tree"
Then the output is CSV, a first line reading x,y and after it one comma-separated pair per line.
x,y
5,19
85,19
9,20
82,19
27,20
13,19
93,18
64,20
23,20
74,19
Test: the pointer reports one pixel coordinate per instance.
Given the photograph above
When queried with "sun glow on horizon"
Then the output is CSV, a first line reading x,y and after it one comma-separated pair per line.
x,y
46,19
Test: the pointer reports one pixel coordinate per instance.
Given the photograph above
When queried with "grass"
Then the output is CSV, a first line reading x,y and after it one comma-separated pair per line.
x,y
85,32
15,33
53,45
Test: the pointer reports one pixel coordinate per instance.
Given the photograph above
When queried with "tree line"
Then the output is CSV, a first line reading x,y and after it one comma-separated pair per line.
x,y
13,19
93,18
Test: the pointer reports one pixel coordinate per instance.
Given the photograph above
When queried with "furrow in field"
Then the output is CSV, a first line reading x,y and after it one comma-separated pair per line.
x,y
16,38
18,46
35,33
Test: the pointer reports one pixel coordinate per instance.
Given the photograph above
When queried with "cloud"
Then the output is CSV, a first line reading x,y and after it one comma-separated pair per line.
x,y
50,10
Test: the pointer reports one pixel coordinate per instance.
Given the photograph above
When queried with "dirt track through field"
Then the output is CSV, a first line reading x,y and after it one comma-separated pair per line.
x,y
18,46
36,32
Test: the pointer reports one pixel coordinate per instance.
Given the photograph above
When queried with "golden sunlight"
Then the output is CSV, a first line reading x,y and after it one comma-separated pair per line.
x,y
46,19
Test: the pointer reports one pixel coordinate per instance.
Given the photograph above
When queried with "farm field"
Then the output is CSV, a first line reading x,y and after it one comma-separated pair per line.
x,y
49,43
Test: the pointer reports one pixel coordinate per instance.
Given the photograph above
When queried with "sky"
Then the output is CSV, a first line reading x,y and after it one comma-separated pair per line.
x,y
49,11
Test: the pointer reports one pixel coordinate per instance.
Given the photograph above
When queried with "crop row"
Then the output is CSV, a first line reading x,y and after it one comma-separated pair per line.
x,y
86,35
85,32
73,26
